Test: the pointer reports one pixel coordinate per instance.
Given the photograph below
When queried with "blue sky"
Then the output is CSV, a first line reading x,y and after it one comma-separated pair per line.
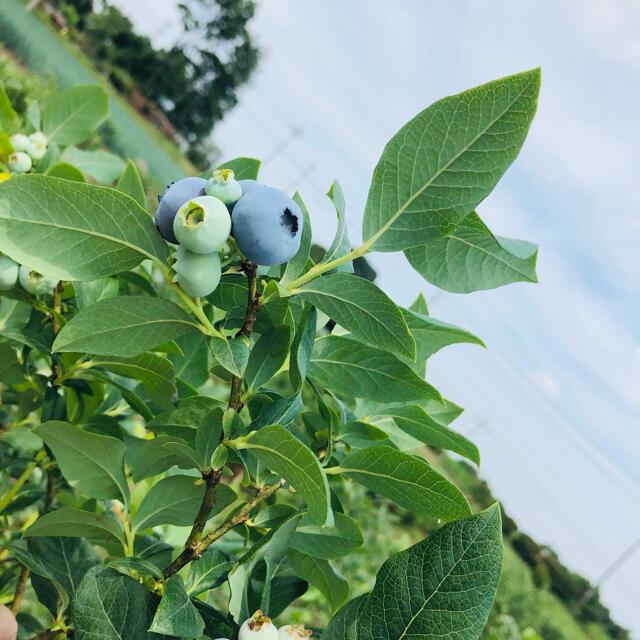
x,y
554,403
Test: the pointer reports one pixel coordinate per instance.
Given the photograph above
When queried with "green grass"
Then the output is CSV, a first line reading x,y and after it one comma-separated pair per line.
x,y
48,53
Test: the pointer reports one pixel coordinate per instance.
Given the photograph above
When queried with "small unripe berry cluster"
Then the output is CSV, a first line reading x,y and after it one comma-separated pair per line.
x,y
260,627
200,215
32,281
27,151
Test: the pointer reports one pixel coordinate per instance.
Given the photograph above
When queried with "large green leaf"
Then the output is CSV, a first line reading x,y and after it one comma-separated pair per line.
x,y
146,458
468,257
415,421
348,366
72,115
66,171
155,372
176,614
446,160
101,165
192,366
327,542
285,455
176,500
408,480
231,353
267,356
130,183
442,587
322,575
111,606
363,309
124,326
74,231
73,523
92,291
91,463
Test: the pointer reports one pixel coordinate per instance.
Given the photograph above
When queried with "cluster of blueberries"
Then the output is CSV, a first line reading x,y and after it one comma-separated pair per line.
x,y
201,215
259,627
27,150
32,281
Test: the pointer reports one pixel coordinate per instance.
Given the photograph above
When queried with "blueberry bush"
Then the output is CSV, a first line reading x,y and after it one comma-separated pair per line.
x,y
184,399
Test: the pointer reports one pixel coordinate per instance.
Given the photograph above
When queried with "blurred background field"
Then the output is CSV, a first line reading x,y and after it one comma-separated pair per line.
x,y
539,597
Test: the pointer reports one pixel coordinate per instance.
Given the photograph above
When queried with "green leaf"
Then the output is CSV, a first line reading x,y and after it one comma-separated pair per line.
x,y
130,183
209,571
89,232
72,115
91,463
243,168
176,614
361,434
421,426
231,353
111,606
470,258
431,335
345,365
302,347
176,500
408,480
32,114
442,587
232,292
281,411
192,366
146,458
285,455
124,326
297,265
420,305
361,308
88,293
446,160
139,565
267,356
155,372
66,171
344,625
62,560
322,575
8,117
73,523
101,165
341,244
327,542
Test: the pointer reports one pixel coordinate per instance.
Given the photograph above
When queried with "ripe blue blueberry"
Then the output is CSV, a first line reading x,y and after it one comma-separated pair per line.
x,y
174,197
224,186
248,185
8,273
19,162
20,142
202,224
197,274
267,225
35,283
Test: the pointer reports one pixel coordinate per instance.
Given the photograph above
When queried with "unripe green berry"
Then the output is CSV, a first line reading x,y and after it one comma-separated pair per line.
x,y
19,142
197,274
19,162
8,273
202,224
35,283
258,627
36,149
224,186
38,136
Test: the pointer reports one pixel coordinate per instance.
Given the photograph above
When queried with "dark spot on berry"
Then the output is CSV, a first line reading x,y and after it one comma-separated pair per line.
x,y
159,199
289,222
